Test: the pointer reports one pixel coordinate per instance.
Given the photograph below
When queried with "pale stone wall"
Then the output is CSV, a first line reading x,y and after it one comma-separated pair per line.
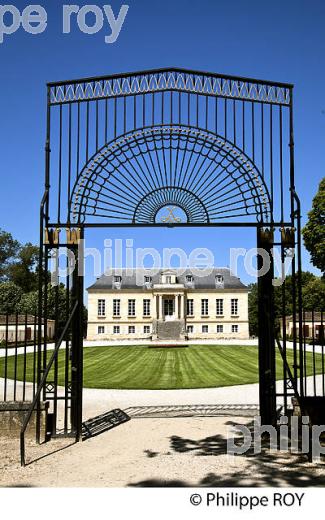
x,y
139,321
226,319
11,334
124,321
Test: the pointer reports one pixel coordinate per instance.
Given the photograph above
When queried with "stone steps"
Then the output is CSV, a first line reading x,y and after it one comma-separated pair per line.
x,y
169,330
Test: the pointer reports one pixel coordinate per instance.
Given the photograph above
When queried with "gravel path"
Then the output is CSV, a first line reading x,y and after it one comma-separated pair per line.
x,y
154,453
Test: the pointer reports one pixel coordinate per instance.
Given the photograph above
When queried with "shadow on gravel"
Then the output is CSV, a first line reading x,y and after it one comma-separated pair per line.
x,y
265,469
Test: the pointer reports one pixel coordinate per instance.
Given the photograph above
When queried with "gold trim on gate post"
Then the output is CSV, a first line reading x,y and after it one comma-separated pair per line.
x,y
73,236
288,237
51,236
267,236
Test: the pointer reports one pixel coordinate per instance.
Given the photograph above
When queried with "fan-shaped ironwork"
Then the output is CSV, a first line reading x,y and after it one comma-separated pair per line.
x,y
131,178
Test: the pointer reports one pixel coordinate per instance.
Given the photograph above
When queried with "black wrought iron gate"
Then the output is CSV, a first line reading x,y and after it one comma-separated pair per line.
x,y
120,148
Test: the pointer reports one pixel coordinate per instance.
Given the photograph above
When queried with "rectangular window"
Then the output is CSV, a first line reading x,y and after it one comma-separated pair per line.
x,y
190,329
204,307
219,328
147,279
234,328
219,307
146,329
131,329
101,308
205,329
101,330
168,279
189,278
117,279
116,307
190,307
146,307
234,307
131,308
116,329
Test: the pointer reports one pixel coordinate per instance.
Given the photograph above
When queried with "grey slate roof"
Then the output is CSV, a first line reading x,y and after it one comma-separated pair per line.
x,y
133,278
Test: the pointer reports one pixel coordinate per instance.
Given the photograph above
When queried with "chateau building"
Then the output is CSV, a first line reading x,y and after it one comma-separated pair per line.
x,y
168,305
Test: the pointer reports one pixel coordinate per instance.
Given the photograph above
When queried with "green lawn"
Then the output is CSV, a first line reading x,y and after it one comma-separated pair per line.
x,y
138,367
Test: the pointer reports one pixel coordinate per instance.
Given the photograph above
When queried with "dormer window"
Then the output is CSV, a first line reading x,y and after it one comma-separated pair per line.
x,y
147,281
168,279
219,280
117,282
189,278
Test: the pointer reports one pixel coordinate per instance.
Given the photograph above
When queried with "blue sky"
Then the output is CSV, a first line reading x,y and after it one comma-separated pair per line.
x,y
281,41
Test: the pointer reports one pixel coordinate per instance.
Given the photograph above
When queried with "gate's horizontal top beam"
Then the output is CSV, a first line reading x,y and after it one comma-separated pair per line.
x,y
171,79
131,225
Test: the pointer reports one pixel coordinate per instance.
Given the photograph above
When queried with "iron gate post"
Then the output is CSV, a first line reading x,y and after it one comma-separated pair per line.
x,y
77,346
266,331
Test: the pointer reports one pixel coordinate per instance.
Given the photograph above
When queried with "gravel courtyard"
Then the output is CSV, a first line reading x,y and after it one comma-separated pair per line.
x,y
149,452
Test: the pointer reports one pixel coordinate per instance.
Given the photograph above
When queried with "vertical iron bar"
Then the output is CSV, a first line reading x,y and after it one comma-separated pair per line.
x,y
16,356
45,315
78,139
234,121
115,117
253,132
281,164
87,131
271,157
124,115
322,349
6,359
206,111
34,352
69,156
60,166
314,359
67,350
284,329
305,357
226,119
25,359
106,121
55,372
216,115
243,126
96,130
262,137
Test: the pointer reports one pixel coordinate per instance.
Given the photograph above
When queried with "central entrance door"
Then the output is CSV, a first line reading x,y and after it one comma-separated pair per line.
x,y
169,308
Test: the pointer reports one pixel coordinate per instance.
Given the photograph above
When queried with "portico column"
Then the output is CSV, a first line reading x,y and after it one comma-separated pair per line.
x,y
161,307
176,307
182,307
157,307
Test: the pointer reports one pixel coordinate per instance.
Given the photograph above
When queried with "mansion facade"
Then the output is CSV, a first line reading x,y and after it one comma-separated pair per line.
x,y
172,304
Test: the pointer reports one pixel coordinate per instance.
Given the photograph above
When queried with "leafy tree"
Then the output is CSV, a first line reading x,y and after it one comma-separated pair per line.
x,y
314,231
10,296
313,295
23,272
29,304
8,251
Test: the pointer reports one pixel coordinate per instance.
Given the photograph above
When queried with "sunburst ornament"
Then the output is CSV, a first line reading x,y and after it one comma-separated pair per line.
x,y
132,178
